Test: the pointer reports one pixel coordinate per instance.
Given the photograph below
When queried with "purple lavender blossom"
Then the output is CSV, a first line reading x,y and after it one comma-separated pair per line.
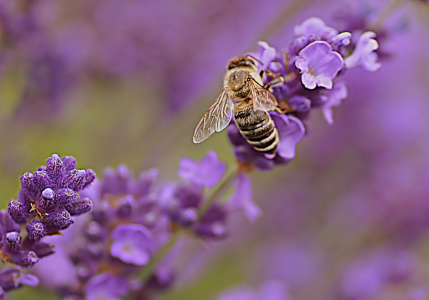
x,y
132,244
42,205
206,173
318,65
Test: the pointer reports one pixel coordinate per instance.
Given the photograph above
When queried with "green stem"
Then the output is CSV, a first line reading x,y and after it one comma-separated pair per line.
x,y
149,269
225,183
386,13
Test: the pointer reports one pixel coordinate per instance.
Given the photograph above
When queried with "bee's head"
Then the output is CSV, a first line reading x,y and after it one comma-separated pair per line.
x,y
239,62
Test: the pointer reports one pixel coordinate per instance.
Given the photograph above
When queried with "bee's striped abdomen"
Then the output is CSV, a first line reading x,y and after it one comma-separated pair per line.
x,y
258,129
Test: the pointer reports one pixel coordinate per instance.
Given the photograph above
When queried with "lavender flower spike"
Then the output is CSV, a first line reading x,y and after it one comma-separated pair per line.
x,y
364,54
318,65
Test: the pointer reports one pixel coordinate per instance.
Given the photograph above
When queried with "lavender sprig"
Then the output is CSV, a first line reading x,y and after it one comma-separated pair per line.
x,y
46,204
311,70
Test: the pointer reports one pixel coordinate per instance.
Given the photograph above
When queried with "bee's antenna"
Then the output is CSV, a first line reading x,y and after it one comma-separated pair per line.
x,y
251,56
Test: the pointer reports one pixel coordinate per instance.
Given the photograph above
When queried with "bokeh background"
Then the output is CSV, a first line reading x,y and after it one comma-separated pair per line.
x,y
125,82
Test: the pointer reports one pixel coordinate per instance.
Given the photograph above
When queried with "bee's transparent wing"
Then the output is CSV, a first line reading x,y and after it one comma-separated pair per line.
x,y
262,98
216,118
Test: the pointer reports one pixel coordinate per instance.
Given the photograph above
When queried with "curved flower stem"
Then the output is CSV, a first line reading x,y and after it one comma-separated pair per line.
x,y
386,13
149,269
220,188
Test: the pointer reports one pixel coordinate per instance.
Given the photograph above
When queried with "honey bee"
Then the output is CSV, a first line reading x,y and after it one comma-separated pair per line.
x,y
245,98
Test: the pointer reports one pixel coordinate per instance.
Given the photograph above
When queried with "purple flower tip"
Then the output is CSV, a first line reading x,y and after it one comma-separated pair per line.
x,y
132,244
319,65
364,54
333,98
16,211
48,194
242,198
205,173
266,54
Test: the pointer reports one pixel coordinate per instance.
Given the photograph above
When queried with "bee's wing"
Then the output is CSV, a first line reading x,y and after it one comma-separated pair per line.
x,y
262,98
216,118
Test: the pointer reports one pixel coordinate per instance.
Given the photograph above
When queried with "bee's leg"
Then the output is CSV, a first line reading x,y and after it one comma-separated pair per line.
x,y
283,107
276,80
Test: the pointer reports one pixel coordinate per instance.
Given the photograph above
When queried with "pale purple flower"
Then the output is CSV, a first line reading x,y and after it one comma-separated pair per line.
x,y
319,65
132,244
242,198
333,98
364,54
205,173
315,27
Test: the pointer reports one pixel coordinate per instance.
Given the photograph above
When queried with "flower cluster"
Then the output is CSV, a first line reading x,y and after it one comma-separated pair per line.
x,y
46,204
133,220
310,70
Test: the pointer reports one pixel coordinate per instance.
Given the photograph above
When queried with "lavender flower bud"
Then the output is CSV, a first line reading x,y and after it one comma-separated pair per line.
x,y
65,196
57,220
46,202
41,181
95,232
125,207
213,223
12,242
8,279
6,222
188,216
69,163
55,169
26,259
89,178
75,179
28,185
16,211
103,212
36,230
78,207
43,249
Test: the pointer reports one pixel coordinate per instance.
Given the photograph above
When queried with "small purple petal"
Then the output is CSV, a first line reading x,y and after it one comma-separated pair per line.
x,y
242,198
334,98
315,27
291,130
206,173
364,54
29,280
